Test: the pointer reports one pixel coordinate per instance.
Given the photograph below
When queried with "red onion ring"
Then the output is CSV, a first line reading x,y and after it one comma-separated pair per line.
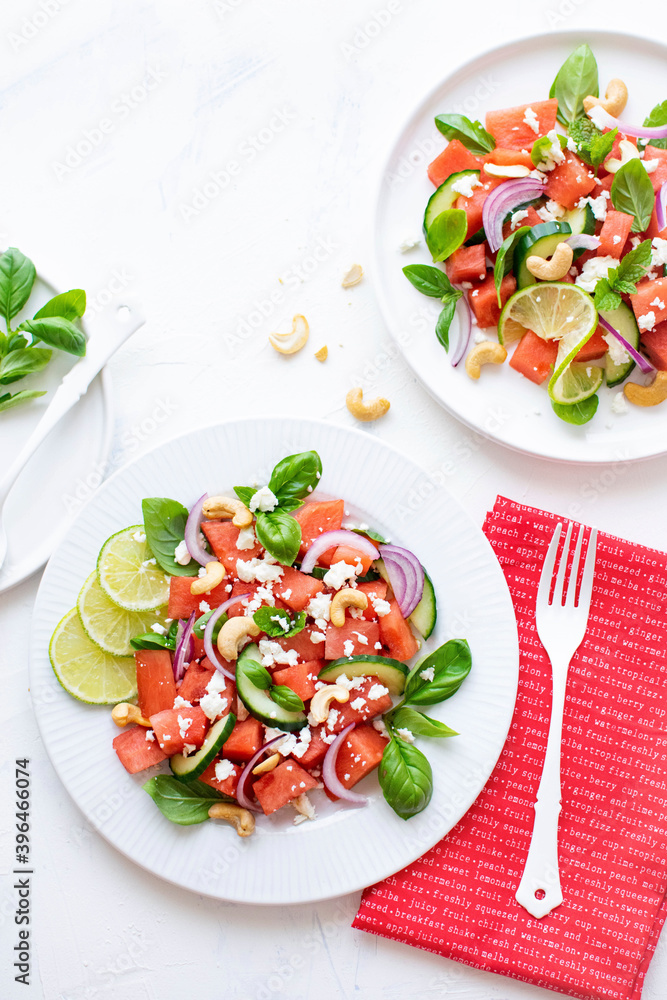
x,y
582,241
661,207
242,796
184,648
603,119
503,199
641,361
331,779
194,547
406,576
331,540
465,332
208,635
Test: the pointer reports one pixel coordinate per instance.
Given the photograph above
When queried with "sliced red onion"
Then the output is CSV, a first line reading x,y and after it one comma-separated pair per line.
x,y
208,635
582,241
641,361
331,779
184,648
503,199
192,527
661,207
406,576
465,332
242,796
331,540
603,119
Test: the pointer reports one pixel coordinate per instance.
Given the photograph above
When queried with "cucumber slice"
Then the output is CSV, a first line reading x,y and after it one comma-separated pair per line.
x,y
189,768
580,220
392,673
476,238
258,702
541,241
623,320
426,612
443,199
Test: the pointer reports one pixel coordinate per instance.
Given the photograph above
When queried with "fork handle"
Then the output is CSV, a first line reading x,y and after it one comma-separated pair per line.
x,y
540,874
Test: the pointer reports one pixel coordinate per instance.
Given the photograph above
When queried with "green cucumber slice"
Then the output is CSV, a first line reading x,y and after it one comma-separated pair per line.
x,y
426,612
623,320
258,702
443,199
541,241
392,673
189,768
580,220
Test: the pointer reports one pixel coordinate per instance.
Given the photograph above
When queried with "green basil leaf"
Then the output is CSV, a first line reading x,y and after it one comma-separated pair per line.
x,y
446,233
245,493
257,674
164,524
505,258
658,117
583,132
538,153
270,620
445,318
183,802
606,300
200,624
21,362
151,640
8,401
370,534
69,305
634,266
57,332
451,665
16,342
576,79
286,699
406,778
419,724
576,413
473,135
17,276
296,476
429,280
280,534
601,146
632,193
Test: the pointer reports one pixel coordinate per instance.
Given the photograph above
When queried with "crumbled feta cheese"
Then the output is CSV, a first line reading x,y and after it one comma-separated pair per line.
x,y
246,539
537,175
598,206
657,302
327,737
181,702
184,725
260,570
554,154
521,213
531,120
319,607
593,270
339,574
380,726
272,652
617,238
619,404
188,748
181,554
378,645
332,717
617,353
380,606
228,588
224,769
358,704
348,647
377,691
292,744
139,536
150,735
406,735
464,185
263,499
213,703
350,682
647,321
408,244
651,165
158,629
204,606
555,208
428,673
317,636
150,562
546,213
479,338
282,621
659,254
304,808
598,116
571,145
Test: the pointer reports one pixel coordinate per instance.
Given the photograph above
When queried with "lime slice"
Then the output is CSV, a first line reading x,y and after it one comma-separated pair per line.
x,y
554,311
109,626
577,382
127,573
85,670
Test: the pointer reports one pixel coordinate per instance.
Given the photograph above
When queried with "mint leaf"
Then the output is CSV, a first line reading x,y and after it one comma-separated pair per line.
x,y
634,266
656,118
270,620
601,146
605,299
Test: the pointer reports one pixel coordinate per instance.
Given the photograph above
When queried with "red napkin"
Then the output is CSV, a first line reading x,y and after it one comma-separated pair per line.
x,y
613,826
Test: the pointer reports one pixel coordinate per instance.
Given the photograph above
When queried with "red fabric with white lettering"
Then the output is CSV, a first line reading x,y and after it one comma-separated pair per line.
x,y
458,900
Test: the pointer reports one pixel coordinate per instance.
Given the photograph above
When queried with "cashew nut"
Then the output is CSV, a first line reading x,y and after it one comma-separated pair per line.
x,y
222,508
268,764
319,705
615,98
507,170
322,354
240,818
290,343
486,353
555,268
372,410
346,598
215,574
124,714
232,633
628,151
353,276
304,807
648,395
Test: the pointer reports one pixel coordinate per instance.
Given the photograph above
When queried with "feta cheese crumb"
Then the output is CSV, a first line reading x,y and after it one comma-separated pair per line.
x,y
617,353
348,647
181,554
304,808
139,536
263,499
181,702
593,270
358,704
521,213
380,606
158,629
619,404
213,703
188,748
339,574
408,244
617,238
531,120
479,338
319,607
246,539
659,254
259,570
428,673
272,652
204,607
377,691
380,726
184,725
647,321
223,769
651,165
571,145
598,116
318,636
406,735
150,735
466,184
657,302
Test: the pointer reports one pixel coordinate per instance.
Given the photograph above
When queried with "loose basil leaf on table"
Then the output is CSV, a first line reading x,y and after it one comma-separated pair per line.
x,y
419,724
8,401
17,276
296,476
446,234
257,674
429,280
183,802
23,361
280,534
576,413
446,316
405,777
657,118
473,135
164,524
286,699
451,665
57,332
632,193
505,258
269,621
68,305
576,79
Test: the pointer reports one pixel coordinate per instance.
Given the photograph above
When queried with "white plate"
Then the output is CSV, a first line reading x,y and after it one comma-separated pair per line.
x,y
345,848
63,472
502,405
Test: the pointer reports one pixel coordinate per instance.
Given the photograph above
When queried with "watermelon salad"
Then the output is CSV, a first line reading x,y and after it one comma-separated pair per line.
x,y
276,664
550,220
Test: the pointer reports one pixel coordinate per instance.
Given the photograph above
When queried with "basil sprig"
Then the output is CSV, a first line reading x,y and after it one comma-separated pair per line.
x,y
164,524
622,280
433,282
446,233
657,118
505,258
473,135
153,640
270,620
185,803
420,724
576,79
632,193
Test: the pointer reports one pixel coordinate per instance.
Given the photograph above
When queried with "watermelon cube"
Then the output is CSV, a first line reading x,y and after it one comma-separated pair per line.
x,y
197,676
307,643
174,727
222,537
396,635
569,181
135,752
315,518
244,741
182,603
534,358
531,219
467,264
654,343
227,784
614,234
360,752
484,302
504,157
155,680
296,588
371,698
286,782
594,348
659,175
453,159
513,128
474,206
317,747
356,636
650,303
301,678
374,589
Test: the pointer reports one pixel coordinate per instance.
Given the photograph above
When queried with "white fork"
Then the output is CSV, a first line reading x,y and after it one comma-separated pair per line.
x,y
561,628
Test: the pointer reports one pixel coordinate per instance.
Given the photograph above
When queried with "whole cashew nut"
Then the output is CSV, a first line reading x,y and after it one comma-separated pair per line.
x,y
486,353
648,395
555,268
223,508
615,98
290,343
372,410
241,819
346,598
232,633
319,705
268,764
215,574
125,714
628,151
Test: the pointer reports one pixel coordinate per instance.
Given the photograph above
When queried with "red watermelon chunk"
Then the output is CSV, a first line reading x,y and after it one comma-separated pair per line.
x,y
474,206
467,264
654,344
296,588
315,518
222,537
356,636
244,741
396,635
614,234
531,219
510,128
182,603
659,175
594,348
650,298
360,752
286,782
135,752
569,181
534,358
301,678
484,302
453,159
374,589
653,229
306,647
197,676
155,680
172,734
239,588
317,748
227,786
510,157
371,698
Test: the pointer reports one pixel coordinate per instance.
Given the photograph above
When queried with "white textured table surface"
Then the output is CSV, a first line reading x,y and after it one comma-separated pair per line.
x,y
230,188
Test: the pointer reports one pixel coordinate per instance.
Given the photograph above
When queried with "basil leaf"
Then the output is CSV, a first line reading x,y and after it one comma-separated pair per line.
x,y
505,258
539,150
280,534
451,664
17,276
576,79
601,146
21,362
16,342
151,640
445,318
286,699
657,117
257,674
265,619
606,300
8,401
429,280
446,233
576,413
634,266
164,524
370,534
69,305
406,778
200,624
245,493
473,135
296,476
57,332
183,802
419,724
632,193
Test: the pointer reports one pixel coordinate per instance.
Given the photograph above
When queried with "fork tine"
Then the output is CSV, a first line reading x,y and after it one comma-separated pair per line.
x,y
574,572
560,579
589,572
546,575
